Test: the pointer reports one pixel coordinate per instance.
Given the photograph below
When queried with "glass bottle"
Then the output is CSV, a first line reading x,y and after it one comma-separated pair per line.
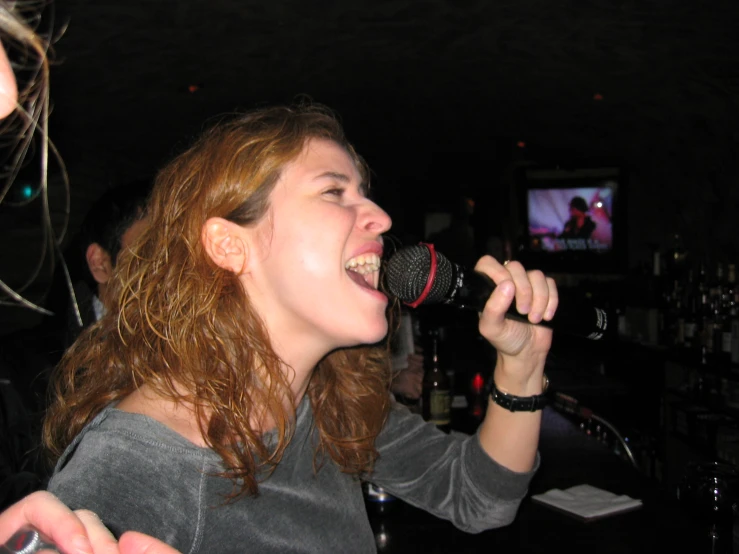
x,y
437,394
477,405
708,492
674,325
706,324
690,314
728,307
734,318
719,318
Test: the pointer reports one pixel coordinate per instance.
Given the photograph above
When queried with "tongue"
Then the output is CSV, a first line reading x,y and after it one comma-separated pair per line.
x,y
359,279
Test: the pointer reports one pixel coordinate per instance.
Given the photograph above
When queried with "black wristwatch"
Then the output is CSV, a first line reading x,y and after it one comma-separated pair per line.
x,y
521,403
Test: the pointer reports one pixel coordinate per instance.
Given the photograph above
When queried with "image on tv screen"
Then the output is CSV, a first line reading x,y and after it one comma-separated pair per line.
x,y
571,219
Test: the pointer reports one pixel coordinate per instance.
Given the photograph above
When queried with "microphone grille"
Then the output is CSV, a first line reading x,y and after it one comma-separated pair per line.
x,y
408,270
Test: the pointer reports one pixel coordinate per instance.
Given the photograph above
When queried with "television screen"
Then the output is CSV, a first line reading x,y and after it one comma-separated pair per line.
x,y
577,218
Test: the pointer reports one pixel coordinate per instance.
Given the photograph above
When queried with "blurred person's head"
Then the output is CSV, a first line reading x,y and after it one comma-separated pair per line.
x,y
112,224
578,207
25,51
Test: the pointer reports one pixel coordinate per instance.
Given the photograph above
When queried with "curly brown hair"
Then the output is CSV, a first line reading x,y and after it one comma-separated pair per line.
x,y
177,321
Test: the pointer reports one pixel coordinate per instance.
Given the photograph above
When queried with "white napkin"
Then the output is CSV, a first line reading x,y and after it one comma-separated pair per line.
x,y
587,502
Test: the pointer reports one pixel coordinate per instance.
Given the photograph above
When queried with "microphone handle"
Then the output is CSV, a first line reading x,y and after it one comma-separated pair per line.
x,y
471,290
26,541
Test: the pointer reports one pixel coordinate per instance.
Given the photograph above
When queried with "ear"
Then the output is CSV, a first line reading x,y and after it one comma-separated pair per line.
x,y
98,262
225,242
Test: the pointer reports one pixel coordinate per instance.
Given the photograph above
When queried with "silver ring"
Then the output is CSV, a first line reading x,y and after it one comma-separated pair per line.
x,y
26,541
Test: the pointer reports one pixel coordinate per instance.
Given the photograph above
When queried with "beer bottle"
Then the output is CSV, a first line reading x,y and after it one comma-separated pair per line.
x,y
437,394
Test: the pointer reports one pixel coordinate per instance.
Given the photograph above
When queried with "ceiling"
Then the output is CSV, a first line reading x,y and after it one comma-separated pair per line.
x,y
427,89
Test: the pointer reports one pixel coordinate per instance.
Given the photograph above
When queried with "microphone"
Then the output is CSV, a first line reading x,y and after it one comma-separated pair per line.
x,y
419,275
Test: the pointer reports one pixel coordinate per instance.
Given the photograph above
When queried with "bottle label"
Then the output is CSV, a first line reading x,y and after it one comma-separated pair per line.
x,y
439,407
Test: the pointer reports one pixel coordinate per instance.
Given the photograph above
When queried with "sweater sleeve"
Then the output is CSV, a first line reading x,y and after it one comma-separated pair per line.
x,y
450,476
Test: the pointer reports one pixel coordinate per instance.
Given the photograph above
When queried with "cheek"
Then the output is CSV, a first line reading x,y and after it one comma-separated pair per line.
x,y
302,248
315,245
317,260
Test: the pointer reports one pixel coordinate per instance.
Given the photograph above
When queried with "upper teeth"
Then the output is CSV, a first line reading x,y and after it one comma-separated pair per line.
x,y
364,263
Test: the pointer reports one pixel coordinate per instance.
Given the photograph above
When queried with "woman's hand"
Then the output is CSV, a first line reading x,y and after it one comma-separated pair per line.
x,y
522,348
79,532
512,438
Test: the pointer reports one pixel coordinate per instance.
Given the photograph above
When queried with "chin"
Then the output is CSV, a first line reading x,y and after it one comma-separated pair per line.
x,y
379,333
372,334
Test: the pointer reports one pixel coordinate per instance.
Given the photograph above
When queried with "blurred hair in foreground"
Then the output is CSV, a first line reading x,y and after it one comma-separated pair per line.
x,y
24,135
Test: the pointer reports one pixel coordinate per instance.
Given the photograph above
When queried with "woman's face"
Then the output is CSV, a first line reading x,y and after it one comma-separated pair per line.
x,y
315,267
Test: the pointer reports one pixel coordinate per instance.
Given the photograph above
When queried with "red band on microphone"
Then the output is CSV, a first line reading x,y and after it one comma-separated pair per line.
x,y
431,277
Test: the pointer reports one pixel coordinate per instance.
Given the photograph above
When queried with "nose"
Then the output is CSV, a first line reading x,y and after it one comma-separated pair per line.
x,y
373,218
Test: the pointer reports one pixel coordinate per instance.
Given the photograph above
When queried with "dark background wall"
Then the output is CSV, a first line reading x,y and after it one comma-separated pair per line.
x,y
435,94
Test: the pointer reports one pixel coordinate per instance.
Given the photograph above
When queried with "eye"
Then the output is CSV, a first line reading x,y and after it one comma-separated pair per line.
x,y
337,192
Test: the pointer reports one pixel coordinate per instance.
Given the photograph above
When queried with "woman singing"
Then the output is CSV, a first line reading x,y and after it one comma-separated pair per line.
x,y
237,389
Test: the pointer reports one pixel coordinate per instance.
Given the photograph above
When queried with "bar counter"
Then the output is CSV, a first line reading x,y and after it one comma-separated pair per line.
x,y
568,458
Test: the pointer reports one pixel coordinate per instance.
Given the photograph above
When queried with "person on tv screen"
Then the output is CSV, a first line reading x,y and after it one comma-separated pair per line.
x,y
580,225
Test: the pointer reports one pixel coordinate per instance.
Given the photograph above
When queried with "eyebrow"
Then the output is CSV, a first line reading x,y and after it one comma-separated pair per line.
x,y
342,178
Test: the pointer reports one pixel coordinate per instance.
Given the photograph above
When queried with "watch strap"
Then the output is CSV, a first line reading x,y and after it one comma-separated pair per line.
x,y
518,403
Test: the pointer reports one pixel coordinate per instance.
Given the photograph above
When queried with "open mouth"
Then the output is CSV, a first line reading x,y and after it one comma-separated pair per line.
x,y
363,270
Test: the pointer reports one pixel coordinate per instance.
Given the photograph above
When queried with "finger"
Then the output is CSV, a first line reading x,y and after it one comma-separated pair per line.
x,y
493,269
103,541
540,295
51,518
553,299
137,543
524,290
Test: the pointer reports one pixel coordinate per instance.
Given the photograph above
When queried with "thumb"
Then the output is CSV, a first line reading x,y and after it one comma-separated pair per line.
x,y
132,542
493,324
497,305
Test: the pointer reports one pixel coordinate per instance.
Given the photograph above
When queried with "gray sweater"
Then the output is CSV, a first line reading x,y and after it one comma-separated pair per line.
x,y
136,473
